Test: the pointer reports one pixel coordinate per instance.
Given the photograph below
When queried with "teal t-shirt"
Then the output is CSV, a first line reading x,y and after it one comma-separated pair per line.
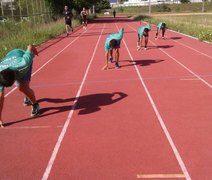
x,y
117,36
141,30
18,60
159,25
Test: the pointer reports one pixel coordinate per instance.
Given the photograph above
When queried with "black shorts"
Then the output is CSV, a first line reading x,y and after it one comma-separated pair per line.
x,y
84,20
68,22
26,77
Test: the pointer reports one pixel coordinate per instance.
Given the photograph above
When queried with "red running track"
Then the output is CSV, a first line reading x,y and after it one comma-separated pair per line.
x,y
150,119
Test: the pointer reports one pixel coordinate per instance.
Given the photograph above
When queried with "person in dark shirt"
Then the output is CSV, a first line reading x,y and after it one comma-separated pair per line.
x,y
68,19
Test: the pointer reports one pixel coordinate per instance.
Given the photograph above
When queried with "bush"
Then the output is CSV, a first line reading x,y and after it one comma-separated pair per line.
x,y
184,1
163,8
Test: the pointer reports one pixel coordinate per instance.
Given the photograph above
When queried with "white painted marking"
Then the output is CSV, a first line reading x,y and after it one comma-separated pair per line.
x,y
160,176
49,61
189,79
193,49
188,36
182,65
165,130
205,82
67,122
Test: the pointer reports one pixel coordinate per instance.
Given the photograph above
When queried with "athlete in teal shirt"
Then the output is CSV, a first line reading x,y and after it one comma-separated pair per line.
x,y
161,27
113,42
17,66
143,31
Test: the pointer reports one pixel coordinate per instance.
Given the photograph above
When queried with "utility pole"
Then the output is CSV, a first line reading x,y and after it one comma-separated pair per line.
x,y
149,7
203,5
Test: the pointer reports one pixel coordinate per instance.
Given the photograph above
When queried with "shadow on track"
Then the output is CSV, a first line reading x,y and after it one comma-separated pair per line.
x,y
85,104
145,62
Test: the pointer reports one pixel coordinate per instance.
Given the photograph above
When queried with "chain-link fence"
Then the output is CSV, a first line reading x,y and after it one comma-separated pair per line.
x,y
37,11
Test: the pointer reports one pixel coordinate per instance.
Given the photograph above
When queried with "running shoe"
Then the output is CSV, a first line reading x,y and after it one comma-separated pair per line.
x,y
27,102
110,59
117,65
35,109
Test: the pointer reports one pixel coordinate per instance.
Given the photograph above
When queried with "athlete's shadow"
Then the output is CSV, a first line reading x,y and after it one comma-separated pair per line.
x,y
160,47
145,62
85,104
175,38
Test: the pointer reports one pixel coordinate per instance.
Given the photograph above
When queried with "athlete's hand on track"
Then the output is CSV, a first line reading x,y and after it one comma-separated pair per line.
x,y
1,124
105,67
138,48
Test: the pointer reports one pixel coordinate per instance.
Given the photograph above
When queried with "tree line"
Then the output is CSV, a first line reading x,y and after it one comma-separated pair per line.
x,y
58,5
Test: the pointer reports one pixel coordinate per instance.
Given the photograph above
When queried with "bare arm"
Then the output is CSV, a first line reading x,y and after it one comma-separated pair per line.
x,y
117,55
106,58
32,49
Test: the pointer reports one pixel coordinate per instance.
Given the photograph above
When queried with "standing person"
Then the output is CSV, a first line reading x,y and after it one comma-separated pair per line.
x,y
68,19
161,27
84,15
16,67
112,43
143,31
114,13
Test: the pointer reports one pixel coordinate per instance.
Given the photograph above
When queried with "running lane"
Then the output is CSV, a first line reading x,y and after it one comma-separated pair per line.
x,y
114,132
178,76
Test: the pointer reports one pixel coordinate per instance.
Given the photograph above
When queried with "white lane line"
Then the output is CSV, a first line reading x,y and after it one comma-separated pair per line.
x,y
189,36
165,130
193,49
200,53
197,76
160,176
50,60
67,122
194,79
182,65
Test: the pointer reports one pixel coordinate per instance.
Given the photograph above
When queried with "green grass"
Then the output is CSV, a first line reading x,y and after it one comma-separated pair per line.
x,y
19,35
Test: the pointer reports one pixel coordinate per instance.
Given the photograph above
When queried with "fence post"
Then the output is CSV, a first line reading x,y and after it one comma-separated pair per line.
x,y
33,11
11,8
2,9
41,9
27,8
19,4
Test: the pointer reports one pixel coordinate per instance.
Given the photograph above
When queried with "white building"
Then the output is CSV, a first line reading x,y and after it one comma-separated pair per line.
x,y
146,2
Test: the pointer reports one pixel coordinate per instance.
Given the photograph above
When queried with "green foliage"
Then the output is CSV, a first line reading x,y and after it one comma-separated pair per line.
x,y
58,5
104,4
27,33
163,8
172,8
184,1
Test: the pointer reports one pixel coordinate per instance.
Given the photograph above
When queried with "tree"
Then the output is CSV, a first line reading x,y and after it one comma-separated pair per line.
x,y
184,1
58,5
